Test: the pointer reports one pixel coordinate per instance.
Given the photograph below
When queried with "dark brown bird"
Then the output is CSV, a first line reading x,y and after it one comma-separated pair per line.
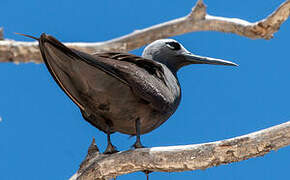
x,y
121,92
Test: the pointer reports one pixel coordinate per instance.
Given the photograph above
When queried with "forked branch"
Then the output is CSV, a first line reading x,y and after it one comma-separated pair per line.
x,y
196,20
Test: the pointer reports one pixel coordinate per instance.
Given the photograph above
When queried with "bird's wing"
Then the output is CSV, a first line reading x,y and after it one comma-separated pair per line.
x,y
145,77
55,55
153,68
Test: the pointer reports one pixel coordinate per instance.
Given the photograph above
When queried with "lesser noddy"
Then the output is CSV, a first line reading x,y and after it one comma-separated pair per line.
x,y
122,92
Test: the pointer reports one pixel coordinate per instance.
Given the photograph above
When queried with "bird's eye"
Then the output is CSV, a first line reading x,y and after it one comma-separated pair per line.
x,y
173,45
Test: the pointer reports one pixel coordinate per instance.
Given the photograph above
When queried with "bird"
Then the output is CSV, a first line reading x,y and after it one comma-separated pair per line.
x,y
122,92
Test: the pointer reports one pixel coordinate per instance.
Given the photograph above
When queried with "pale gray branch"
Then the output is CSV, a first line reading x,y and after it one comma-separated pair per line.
x,y
183,158
196,20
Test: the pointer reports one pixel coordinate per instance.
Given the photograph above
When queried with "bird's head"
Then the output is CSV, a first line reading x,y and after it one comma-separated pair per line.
x,y
174,55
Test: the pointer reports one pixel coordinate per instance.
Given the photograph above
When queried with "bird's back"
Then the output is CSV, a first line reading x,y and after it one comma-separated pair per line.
x,y
113,89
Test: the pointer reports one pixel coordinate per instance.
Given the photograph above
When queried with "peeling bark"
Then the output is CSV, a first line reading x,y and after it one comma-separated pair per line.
x,y
183,158
196,20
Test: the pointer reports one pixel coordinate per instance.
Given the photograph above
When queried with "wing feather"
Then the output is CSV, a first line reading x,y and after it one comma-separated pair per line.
x,y
145,77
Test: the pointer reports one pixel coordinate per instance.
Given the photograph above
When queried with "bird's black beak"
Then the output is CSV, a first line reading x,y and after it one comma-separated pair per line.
x,y
195,59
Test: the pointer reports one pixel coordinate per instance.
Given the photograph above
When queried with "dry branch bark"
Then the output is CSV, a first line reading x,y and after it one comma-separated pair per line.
x,y
196,20
183,158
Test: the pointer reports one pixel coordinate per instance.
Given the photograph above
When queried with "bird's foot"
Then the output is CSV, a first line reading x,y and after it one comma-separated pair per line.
x,y
137,145
110,149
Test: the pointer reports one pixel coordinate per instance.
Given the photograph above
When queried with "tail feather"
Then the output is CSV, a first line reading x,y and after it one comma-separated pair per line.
x,y
26,35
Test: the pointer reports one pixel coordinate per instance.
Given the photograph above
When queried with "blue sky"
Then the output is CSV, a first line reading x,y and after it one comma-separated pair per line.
x,y
43,136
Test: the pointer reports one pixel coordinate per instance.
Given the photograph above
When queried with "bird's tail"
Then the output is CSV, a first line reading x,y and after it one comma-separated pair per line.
x,y
28,36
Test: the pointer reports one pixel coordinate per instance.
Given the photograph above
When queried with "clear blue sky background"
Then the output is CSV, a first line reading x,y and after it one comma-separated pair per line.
x,y
43,136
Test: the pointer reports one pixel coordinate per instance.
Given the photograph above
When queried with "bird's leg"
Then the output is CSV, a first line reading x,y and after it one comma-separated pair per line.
x,y
138,143
110,147
147,172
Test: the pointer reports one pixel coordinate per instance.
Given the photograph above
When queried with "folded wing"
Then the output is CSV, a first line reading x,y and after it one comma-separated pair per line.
x,y
68,67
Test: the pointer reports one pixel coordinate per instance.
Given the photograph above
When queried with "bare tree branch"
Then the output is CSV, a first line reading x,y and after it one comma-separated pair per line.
x,y
183,158
196,20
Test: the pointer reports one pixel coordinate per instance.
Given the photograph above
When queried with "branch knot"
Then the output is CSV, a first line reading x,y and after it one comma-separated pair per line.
x,y
198,11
